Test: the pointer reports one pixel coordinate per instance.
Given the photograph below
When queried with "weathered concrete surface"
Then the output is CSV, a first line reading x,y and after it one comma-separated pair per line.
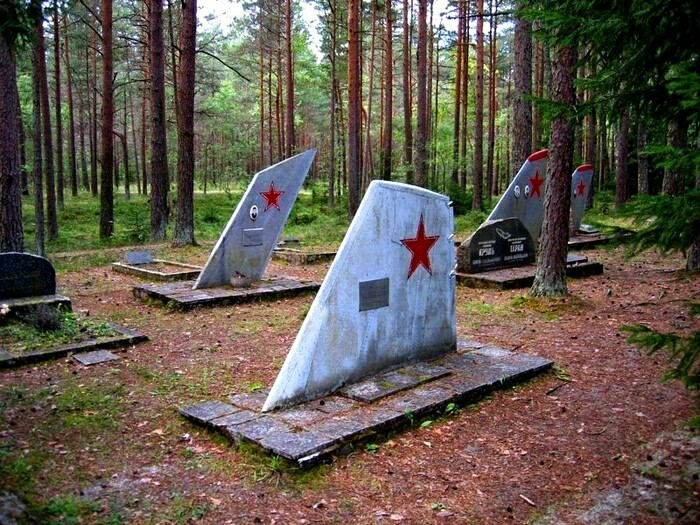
x,y
94,357
581,182
242,252
313,430
524,198
181,295
387,299
171,270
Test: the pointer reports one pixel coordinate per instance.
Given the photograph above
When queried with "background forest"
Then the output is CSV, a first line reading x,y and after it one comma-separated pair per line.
x,y
138,100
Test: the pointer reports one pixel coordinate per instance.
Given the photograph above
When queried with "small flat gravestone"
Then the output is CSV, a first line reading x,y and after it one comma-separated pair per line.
x,y
138,257
95,357
25,275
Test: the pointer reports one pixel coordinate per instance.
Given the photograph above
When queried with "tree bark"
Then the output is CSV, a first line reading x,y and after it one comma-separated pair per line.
x,y
422,95
159,149
621,194
92,117
490,171
461,19
550,275
290,139
48,146
107,137
522,108
677,138
37,173
184,215
11,233
354,109
407,102
57,105
387,138
478,166
72,154
642,160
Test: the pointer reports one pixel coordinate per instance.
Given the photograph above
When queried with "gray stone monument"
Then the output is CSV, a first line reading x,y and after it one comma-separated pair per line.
x,y
25,275
581,182
388,298
244,249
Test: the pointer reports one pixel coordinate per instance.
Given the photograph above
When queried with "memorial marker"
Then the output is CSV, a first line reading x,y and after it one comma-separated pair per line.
x,y
581,181
387,300
243,251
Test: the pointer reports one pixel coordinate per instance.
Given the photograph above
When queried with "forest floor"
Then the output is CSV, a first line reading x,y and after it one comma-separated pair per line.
x,y
598,439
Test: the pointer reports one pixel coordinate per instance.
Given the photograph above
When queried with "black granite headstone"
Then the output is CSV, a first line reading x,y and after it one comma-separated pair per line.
x,y
25,275
503,243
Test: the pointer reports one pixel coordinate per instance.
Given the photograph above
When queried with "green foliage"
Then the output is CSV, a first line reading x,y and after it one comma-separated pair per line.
x,y
685,351
666,222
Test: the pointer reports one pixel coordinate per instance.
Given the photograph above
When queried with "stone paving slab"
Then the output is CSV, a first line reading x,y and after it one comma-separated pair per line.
x,y
313,430
95,357
181,295
126,337
388,383
521,276
23,304
174,271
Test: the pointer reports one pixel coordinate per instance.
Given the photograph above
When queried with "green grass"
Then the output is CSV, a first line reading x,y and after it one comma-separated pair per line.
x,y
19,335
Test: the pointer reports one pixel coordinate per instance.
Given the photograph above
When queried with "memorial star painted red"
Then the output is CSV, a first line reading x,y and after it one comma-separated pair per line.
x,y
536,183
272,196
581,188
420,246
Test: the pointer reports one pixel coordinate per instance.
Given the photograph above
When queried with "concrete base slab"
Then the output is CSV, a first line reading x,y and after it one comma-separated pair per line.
x,y
95,357
160,270
23,304
302,257
311,431
586,241
125,337
181,295
522,276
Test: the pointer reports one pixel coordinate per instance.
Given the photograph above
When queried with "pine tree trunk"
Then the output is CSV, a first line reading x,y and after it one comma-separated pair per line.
x,y
642,160
367,160
490,171
478,165
289,62
72,154
407,102
550,276
92,86
37,174
621,137
11,234
458,92
159,148
522,108
422,95
48,146
677,138
57,106
387,137
107,137
334,102
184,216
354,109
24,176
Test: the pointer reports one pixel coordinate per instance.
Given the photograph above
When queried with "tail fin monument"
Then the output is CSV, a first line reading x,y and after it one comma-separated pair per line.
x,y
581,182
388,297
243,251
524,198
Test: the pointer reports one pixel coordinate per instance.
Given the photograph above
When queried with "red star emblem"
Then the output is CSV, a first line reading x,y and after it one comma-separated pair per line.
x,y
272,196
580,188
536,184
420,247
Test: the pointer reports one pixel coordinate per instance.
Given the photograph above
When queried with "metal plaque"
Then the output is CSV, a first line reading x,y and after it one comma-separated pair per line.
x,y
374,294
253,237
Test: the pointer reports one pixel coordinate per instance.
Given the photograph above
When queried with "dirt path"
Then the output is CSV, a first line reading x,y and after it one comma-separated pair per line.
x,y
597,440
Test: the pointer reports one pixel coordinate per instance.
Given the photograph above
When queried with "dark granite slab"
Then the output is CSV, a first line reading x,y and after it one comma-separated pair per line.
x,y
522,276
316,429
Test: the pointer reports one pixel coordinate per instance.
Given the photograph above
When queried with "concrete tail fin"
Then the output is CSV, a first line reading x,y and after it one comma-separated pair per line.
x,y
387,299
524,198
243,251
581,182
